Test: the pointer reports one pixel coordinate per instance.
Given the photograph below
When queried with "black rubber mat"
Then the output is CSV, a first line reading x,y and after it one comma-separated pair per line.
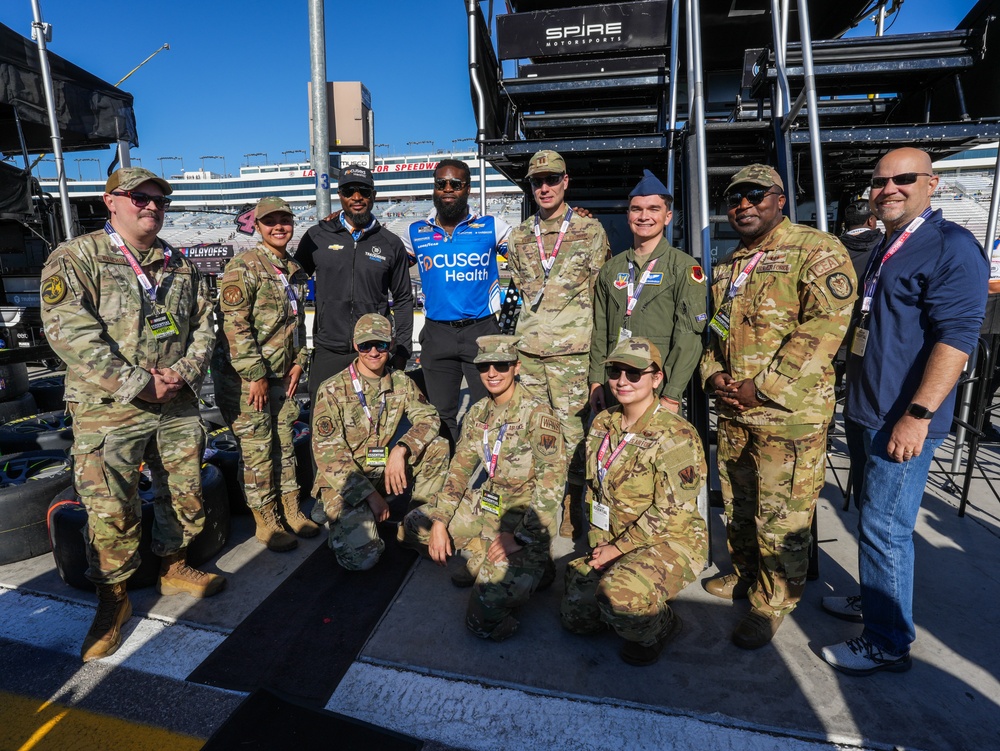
x,y
266,721
302,639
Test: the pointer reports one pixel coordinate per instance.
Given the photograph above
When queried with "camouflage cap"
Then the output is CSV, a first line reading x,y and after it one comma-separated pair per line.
x,y
497,348
128,178
756,174
637,352
372,327
270,205
545,162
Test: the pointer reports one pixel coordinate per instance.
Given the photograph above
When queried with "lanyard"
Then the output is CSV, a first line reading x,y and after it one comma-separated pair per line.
x,y
364,403
547,261
602,469
147,285
633,291
288,289
493,456
871,284
741,279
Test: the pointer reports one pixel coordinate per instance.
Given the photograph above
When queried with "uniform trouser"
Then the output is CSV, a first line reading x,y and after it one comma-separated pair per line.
x,y
499,588
561,380
631,595
265,438
354,534
110,442
771,477
446,354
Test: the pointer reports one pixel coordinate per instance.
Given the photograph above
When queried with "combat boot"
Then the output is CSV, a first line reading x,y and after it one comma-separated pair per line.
x,y
269,529
177,578
113,611
294,518
572,525
728,587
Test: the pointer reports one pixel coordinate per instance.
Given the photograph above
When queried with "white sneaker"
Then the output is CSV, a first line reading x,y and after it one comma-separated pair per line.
x,y
846,608
861,657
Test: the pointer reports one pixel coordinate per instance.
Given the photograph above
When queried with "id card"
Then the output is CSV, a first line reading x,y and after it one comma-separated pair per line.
x,y
720,324
624,334
491,502
600,515
377,456
860,342
162,325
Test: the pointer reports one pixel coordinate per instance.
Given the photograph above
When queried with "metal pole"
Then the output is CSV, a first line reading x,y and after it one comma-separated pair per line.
x,y
371,140
675,22
815,147
41,32
991,223
471,8
880,25
321,115
779,107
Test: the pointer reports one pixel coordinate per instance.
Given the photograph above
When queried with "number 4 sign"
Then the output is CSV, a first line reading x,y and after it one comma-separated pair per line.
x,y
245,220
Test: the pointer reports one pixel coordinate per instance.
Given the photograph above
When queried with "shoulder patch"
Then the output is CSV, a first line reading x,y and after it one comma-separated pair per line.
x,y
550,423
825,265
324,426
232,295
54,290
840,285
688,477
547,443
698,274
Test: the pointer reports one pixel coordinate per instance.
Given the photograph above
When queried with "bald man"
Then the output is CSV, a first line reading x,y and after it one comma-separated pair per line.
x,y
922,308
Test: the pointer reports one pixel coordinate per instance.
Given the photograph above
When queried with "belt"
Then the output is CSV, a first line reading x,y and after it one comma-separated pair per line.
x,y
463,323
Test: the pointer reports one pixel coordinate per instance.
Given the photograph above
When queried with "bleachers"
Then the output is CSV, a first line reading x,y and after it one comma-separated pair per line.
x,y
954,199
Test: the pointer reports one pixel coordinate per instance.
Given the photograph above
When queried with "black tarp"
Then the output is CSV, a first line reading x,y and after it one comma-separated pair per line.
x,y
91,113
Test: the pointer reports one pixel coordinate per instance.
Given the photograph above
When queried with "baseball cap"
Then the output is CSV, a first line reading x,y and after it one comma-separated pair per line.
x,y
372,327
756,174
637,352
127,178
270,205
496,348
546,161
355,174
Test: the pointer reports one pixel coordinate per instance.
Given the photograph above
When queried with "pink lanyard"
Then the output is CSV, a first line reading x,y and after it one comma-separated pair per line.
x,y
602,469
548,261
288,290
741,279
492,457
634,292
147,285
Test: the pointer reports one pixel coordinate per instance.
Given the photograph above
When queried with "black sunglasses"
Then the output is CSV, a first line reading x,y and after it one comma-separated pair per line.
x,y
499,367
754,196
142,200
442,182
349,190
379,346
271,220
550,180
906,178
633,375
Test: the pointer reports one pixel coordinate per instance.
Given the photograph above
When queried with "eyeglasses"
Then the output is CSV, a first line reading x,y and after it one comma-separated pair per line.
x,y
378,346
906,178
754,196
499,367
271,220
440,183
142,200
349,190
550,180
633,375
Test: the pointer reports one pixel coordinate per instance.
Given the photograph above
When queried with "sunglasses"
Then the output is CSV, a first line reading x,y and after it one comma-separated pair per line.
x,y
754,197
499,367
142,200
378,346
633,375
272,221
349,190
906,178
550,180
441,183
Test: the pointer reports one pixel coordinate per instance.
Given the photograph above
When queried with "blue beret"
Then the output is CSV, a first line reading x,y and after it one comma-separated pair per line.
x,y
649,185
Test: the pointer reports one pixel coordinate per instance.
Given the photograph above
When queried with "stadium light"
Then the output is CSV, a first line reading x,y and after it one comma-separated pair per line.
x,y
163,159
214,157
79,169
417,143
294,151
460,140
255,153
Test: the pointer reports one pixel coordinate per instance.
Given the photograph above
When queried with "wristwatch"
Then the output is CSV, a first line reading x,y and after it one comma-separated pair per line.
x,y
919,411
760,397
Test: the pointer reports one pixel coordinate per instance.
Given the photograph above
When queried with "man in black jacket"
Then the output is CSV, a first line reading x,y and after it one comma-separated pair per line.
x,y
861,234
357,263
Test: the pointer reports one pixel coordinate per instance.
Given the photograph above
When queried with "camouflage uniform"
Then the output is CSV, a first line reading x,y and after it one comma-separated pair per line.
x,y
260,337
529,479
651,489
94,311
342,437
788,320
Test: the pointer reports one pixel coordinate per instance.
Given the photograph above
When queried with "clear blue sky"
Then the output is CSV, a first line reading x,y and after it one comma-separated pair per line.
x,y
234,79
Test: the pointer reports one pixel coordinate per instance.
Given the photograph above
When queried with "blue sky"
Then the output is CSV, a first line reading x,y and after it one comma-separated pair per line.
x,y
234,79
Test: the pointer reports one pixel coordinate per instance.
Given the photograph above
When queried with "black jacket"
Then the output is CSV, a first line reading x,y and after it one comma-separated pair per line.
x,y
860,246
353,279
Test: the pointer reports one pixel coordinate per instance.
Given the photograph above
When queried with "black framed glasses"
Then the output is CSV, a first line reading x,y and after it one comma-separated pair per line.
x,y
754,197
362,190
142,200
550,180
272,220
440,183
499,367
633,375
378,346
904,178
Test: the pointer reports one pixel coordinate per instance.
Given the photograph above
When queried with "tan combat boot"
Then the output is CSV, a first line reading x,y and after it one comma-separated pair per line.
x,y
294,518
113,611
270,531
177,578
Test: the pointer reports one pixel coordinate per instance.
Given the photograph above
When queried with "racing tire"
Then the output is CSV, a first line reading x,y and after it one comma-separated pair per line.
x,y
49,392
28,481
13,380
17,407
222,451
48,431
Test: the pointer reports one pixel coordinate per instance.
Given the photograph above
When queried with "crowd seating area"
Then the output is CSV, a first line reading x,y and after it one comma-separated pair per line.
x,y
965,200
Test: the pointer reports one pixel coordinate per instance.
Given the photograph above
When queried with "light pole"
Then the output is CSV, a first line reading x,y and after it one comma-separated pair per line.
x,y
214,157
417,143
162,159
255,153
79,169
460,140
294,151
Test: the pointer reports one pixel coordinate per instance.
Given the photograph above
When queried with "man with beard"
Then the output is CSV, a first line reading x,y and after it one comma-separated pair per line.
x,y
456,252
357,263
782,301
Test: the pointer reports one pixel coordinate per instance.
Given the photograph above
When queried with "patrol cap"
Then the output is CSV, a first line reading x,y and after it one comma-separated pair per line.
x,y
649,185
637,352
496,348
546,162
756,174
127,178
372,327
271,205
355,174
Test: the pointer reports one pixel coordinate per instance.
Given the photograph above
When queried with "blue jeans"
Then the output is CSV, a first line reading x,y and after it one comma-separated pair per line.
x,y
891,493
